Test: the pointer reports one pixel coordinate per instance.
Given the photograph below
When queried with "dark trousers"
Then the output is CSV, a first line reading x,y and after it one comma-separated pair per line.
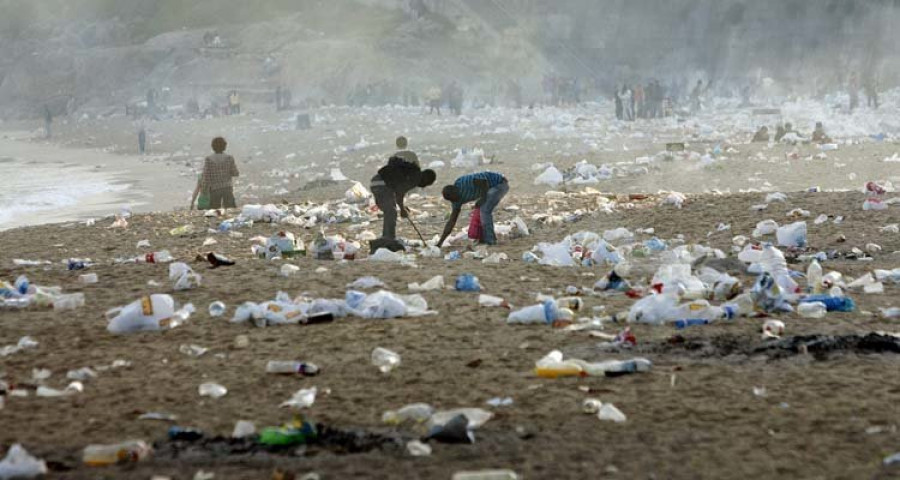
x,y
222,198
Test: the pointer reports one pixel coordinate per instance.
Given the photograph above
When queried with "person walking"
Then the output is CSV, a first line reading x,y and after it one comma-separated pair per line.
x,y
486,189
48,121
142,141
216,181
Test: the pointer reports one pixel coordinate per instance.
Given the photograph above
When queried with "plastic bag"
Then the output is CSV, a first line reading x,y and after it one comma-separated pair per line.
x,y
357,193
551,176
475,228
792,235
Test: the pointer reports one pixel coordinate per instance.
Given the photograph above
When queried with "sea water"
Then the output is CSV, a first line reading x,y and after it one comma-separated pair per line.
x,y
33,192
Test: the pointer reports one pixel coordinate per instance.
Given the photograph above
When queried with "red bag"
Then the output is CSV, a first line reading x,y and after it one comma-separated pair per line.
x,y
475,232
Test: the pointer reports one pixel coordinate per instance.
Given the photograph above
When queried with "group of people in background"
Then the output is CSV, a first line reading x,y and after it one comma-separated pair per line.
x,y
641,101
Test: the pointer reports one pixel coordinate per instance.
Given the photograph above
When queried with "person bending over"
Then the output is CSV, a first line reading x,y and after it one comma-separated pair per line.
x,y
486,189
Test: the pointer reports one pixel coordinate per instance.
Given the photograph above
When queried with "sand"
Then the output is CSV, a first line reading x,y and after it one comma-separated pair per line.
x,y
694,415
709,424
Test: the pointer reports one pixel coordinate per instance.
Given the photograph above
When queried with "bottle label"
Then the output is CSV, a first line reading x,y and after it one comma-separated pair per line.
x,y
146,306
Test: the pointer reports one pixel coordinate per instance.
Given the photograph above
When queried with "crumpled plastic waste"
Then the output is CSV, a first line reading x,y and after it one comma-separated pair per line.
x,y
18,463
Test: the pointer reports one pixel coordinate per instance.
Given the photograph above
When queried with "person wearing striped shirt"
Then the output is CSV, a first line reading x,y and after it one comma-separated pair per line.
x,y
486,189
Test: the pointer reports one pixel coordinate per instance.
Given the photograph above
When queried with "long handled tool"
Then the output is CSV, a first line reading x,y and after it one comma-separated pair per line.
x,y
417,231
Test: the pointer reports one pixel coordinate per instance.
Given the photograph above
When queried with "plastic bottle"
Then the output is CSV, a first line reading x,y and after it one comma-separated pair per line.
x,y
15,303
814,277
68,302
486,475
156,257
148,313
468,283
491,301
553,366
812,309
690,322
414,412
125,452
699,309
385,359
213,390
832,304
545,312
614,368
292,367
773,262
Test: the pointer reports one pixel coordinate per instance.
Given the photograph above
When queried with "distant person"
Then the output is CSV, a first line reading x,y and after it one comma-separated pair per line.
x,y
404,153
48,121
853,87
695,97
286,98
142,141
620,109
627,103
486,189
455,98
780,133
819,136
216,180
390,186
762,135
151,101
234,103
433,95
871,89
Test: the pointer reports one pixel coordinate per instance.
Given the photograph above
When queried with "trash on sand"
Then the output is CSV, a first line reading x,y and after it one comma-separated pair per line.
x,y
213,390
303,398
18,463
385,359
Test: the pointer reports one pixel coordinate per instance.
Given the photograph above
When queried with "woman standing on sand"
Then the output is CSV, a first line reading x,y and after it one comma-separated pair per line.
x,y
216,180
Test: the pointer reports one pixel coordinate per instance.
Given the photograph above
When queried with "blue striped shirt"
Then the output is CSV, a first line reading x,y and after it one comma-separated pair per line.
x,y
466,186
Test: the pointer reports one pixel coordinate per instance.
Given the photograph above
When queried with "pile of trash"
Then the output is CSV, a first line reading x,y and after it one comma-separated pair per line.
x,y
23,294
306,216
284,310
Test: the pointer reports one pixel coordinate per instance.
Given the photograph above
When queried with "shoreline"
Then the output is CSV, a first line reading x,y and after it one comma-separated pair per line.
x,y
127,180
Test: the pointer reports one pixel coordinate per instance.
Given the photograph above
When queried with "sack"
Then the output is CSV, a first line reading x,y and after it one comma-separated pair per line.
x,y
475,231
203,201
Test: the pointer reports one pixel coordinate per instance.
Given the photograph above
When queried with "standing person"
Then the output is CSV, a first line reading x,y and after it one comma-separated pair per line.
x,y
695,97
142,140
871,89
639,101
404,153
234,103
486,189
455,98
620,111
48,120
390,186
434,95
216,180
854,92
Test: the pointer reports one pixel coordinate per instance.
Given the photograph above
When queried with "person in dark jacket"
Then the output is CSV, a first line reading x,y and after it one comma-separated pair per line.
x,y
391,184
